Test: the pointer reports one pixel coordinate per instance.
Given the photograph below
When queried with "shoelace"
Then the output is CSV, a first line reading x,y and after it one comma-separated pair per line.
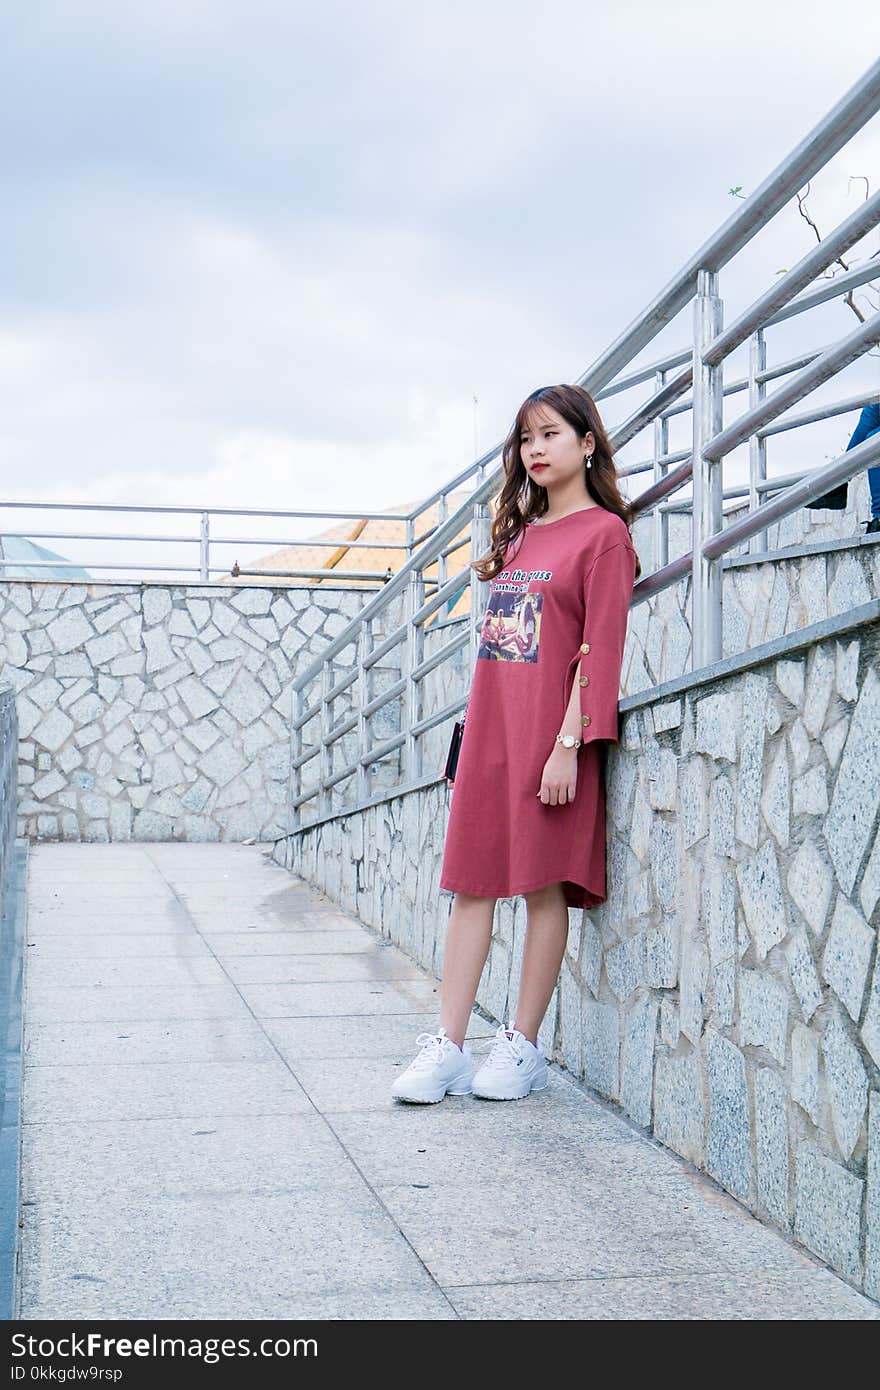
x,y
432,1050
505,1048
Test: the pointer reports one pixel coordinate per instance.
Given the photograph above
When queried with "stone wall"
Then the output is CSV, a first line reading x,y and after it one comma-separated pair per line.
x,y
157,711
727,993
8,787
823,566
162,711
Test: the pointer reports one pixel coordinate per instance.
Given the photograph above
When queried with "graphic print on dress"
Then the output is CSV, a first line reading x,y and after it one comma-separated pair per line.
x,y
511,628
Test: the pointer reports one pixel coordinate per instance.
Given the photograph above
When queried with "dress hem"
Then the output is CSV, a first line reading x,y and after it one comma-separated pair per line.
x,y
594,899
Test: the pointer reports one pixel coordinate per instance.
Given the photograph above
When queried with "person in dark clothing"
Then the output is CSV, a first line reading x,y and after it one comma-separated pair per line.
x,y
869,423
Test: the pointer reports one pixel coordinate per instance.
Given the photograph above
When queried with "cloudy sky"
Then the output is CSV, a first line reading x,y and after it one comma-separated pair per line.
x,y
266,254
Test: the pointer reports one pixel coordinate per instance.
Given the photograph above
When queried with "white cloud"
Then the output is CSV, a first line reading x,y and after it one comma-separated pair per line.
x,y
268,255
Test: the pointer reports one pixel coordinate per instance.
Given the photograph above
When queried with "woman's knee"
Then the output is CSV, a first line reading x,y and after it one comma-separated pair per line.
x,y
550,893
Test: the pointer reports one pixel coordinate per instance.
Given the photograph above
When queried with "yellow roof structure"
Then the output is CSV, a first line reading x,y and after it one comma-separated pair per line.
x,y
374,555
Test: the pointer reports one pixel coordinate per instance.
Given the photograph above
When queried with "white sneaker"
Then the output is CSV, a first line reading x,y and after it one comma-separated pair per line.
x,y
441,1066
512,1069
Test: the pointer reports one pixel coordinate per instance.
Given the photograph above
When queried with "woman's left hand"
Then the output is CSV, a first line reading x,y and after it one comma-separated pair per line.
x,y
559,778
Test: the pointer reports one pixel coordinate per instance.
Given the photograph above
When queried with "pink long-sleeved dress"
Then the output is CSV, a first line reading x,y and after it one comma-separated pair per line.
x,y
557,611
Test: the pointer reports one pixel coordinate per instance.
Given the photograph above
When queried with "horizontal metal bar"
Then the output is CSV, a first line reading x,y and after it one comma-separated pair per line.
x,y
813,417
663,364
837,285
846,350
431,721
664,487
212,511
74,565
373,575
829,135
780,294
814,485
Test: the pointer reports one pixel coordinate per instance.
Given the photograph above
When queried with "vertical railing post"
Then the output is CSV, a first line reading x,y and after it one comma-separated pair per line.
x,y
412,697
295,779
661,448
205,548
364,646
442,558
479,546
757,445
326,755
706,617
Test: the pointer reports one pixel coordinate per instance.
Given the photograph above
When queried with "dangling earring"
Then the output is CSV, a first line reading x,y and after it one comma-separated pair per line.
x,y
588,460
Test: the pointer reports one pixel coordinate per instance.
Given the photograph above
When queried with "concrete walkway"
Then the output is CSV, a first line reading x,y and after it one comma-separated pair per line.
x,y
208,1130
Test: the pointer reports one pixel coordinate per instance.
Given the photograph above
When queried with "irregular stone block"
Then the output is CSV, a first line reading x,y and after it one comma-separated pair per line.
x,y
728,1146
637,1059
801,747
763,1013
847,668
828,1203
723,840
871,1026
666,716
246,699
847,1084
155,605
679,1107
810,793
833,740
820,683
805,1070
601,1047
52,730
694,801
760,893
664,860
771,1145
670,1030
802,972
70,630
810,884
872,1242
625,965
790,680
717,723
776,800
661,766
847,956
751,762
694,979
869,891
856,798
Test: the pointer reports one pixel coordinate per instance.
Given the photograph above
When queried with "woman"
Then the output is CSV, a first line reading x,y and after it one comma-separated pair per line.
x,y
528,810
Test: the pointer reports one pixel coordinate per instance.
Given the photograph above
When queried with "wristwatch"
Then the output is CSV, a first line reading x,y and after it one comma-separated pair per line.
x,y
568,740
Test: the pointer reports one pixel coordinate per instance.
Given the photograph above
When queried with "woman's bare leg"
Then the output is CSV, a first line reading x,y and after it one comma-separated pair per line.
x,y
546,938
468,937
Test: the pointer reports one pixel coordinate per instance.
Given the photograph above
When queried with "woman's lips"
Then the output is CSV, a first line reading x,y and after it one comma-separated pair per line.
x,y
536,467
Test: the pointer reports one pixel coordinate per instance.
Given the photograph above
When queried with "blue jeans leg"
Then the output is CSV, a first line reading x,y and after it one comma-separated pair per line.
x,y
869,424
874,485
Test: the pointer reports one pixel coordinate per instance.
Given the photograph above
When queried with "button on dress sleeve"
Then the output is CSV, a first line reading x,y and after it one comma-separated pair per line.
x,y
608,586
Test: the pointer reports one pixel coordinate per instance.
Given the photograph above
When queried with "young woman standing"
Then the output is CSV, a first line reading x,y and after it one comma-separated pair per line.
x,y
528,810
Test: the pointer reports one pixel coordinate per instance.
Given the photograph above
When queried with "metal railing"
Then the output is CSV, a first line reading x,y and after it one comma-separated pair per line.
x,y
204,539
697,368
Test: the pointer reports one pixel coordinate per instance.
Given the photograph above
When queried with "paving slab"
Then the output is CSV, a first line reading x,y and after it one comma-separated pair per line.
x,y
209,1133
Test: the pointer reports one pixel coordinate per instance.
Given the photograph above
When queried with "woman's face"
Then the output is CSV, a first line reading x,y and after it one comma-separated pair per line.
x,y
552,451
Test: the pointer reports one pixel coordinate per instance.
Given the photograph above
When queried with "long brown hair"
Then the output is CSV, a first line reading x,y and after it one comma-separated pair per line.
x,y
521,500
